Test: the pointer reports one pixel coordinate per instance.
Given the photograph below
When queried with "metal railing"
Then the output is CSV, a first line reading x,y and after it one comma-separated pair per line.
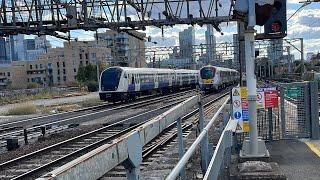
x,y
221,158
202,140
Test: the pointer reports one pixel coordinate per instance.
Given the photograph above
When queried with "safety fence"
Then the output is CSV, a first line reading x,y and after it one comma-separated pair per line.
x,y
299,110
297,115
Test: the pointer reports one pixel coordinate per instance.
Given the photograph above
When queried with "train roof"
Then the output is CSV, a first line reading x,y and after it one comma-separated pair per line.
x,y
153,70
221,68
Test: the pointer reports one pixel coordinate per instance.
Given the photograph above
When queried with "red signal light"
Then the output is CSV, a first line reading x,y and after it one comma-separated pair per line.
x,y
276,26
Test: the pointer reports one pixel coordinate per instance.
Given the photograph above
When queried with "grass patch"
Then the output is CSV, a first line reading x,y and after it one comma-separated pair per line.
x,y
40,95
67,107
22,109
91,102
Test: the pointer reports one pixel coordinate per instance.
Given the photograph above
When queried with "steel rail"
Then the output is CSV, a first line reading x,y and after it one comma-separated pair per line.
x,y
77,119
30,122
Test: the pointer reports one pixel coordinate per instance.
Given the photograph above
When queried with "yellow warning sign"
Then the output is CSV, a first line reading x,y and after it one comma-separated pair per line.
x,y
244,92
245,126
236,93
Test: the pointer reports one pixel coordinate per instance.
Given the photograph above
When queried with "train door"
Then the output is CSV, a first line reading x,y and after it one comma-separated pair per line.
x,y
131,82
156,81
175,80
170,79
137,82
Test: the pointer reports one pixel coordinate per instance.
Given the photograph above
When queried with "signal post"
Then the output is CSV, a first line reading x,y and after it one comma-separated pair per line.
x,y
252,147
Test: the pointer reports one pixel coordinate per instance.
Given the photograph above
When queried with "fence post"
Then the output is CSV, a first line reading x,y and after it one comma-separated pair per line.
x,y
307,103
204,143
229,150
270,124
181,147
314,109
282,111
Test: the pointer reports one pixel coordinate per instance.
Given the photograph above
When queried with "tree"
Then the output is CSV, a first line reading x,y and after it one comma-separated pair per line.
x,y
87,73
88,76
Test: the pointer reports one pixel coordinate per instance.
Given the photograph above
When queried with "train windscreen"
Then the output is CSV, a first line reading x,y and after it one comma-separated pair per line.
x,y
110,79
207,73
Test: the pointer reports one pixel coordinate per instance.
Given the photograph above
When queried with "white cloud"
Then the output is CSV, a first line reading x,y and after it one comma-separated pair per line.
x,y
294,1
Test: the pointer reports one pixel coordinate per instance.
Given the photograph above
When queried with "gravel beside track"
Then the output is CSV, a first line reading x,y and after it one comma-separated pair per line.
x,y
47,141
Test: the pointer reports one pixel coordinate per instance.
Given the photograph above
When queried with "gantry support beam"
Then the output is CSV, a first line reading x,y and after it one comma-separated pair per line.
x,y
47,16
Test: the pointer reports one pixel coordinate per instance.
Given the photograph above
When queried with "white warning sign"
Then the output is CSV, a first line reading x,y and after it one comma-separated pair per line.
x,y
260,98
237,109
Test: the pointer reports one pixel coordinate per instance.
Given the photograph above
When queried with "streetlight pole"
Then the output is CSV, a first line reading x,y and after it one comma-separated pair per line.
x,y
154,59
154,53
302,57
98,73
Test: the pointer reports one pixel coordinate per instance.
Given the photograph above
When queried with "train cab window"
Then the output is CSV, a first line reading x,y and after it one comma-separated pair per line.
x,y
207,73
110,79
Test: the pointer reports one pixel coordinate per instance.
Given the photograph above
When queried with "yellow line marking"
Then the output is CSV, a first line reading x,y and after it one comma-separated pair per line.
x,y
313,148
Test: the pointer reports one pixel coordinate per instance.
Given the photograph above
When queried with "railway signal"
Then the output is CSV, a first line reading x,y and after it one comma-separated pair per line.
x,y
263,10
277,23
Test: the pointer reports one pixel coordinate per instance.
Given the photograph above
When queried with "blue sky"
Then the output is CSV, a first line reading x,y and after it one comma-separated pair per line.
x,y
305,24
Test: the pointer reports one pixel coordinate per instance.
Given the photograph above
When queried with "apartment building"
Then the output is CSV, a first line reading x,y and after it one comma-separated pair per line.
x,y
59,66
126,50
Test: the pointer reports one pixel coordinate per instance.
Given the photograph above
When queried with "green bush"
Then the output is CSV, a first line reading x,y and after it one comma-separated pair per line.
x,y
32,85
92,86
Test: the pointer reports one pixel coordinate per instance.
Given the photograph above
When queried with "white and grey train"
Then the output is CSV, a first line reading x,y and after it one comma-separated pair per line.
x,y
124,83
214,78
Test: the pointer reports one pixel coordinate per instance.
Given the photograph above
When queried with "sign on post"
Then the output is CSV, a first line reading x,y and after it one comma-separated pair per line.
x,y
237,109
293,92
266,98
271,99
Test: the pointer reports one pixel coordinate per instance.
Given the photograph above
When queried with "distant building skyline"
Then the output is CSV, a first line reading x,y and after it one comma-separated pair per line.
x,y
186,42
210,43
17,48
275,50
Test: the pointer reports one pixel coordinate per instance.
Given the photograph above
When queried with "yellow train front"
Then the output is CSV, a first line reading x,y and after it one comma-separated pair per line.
x,y
213,78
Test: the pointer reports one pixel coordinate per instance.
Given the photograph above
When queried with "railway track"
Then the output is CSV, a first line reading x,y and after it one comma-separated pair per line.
x,y
39,128
5,127
165,138
34,164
